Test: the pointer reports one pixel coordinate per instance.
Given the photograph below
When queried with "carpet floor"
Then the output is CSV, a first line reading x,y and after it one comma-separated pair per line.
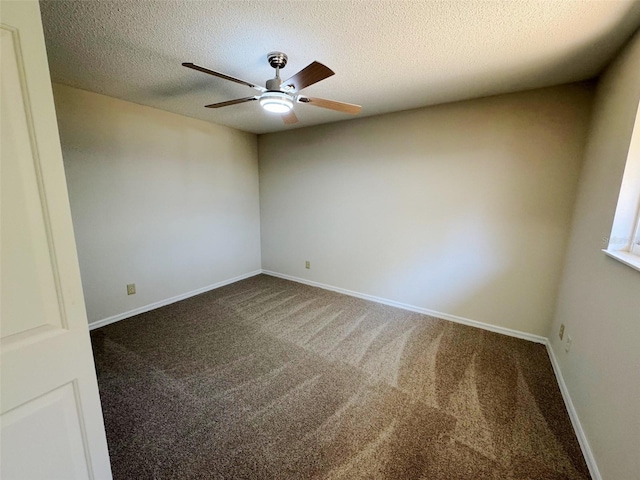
x,y
270,379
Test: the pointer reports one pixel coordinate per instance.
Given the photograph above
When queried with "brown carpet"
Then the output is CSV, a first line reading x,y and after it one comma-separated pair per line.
x,y
270,379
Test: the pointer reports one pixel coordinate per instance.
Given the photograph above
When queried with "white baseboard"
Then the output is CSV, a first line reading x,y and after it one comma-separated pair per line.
x,y
432,313
162,303
573,415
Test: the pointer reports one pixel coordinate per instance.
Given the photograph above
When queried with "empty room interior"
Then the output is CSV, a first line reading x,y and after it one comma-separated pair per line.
x,y
321,239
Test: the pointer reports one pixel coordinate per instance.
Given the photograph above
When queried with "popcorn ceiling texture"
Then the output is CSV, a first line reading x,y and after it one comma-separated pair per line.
x,y
388,56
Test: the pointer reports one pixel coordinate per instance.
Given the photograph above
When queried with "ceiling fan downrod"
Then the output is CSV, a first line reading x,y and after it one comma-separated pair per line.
x,y
277,60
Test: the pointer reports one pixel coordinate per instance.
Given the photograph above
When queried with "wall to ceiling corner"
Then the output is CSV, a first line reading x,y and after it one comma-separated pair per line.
x,y
160,200
599,301
462,209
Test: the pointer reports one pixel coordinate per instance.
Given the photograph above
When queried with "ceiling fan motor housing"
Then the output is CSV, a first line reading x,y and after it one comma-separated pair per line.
x,y
274,84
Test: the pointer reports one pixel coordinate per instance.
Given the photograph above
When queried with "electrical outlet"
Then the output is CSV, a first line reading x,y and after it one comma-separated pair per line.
x,y
307,264
131,289
561,332
568,345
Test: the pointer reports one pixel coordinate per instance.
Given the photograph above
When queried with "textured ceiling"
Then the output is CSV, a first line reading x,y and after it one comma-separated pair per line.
x,y
387,55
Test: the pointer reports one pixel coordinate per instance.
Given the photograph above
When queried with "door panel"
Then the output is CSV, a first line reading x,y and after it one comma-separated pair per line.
x,y
26,265
51,424
53,419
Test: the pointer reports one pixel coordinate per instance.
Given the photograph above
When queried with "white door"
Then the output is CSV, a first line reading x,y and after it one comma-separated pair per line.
x,y
51,422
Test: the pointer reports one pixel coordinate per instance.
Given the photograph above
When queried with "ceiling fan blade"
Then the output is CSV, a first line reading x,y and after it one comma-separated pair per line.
x,y
231,102
331,104
312,73
289,118
222,75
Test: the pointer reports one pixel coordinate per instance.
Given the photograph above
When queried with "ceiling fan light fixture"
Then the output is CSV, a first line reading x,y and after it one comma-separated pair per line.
x,y
276,102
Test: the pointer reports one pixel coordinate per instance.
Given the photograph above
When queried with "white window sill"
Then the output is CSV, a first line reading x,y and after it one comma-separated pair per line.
x,y
627,258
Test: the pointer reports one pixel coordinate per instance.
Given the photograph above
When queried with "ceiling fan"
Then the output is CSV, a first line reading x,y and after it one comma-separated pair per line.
x,y
279,96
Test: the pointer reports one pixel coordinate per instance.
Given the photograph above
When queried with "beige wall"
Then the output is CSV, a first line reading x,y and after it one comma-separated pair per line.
x,y
462,208
599,299
160,200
